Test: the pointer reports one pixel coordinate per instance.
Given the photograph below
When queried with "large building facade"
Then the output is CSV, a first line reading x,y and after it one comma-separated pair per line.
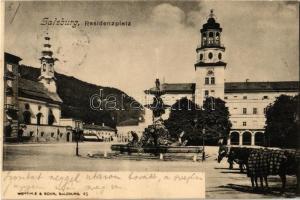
x,y
246,101
33,106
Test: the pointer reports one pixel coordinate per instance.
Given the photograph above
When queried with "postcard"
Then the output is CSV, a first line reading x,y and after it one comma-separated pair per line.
x,y
150,99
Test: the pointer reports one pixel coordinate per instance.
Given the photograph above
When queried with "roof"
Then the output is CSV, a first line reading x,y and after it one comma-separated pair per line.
x,y
282,86
234,87
175,88
98,127
36,90
11,58
211,24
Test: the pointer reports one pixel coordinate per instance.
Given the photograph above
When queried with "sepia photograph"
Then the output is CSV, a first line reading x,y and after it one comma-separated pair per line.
x,y
150,99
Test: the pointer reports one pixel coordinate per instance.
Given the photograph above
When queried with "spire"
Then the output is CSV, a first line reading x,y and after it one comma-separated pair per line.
x,y
211,15
47,65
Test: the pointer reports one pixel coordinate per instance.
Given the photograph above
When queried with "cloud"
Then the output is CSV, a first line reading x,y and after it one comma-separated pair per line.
x,y
259,38
167,15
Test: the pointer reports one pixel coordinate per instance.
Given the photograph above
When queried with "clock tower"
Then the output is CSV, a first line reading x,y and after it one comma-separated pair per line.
x,y
47,67
210,66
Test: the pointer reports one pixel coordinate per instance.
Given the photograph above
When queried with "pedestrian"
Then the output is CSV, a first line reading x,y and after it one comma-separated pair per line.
x,y
20,134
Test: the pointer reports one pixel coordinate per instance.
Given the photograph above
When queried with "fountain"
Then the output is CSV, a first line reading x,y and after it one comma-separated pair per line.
x,y
156,139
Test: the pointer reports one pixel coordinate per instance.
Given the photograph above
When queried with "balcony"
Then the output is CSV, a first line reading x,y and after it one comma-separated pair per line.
x,y
213,45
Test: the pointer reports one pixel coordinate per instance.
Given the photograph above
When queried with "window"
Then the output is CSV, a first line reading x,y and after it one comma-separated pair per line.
x,y
44,67
27,117
206,80
254,111
52,134
220,56
51,117
9,83
201,56
204,34
212,80
235,96
51,67
244,97
31,134
265,97
9,67
217,34
234,108
234,122
42,134
38,118
225,97
244,111
211,34
210,55
206,93
244,123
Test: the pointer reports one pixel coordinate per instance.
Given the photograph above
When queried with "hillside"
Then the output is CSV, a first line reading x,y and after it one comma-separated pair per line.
x,y
76,99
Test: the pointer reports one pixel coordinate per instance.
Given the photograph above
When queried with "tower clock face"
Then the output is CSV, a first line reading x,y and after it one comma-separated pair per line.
x,y
210,55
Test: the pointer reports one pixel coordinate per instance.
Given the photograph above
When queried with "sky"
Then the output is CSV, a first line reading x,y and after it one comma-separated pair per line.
x,y
261,40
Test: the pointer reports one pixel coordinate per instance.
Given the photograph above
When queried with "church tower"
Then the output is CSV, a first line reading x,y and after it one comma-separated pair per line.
x,y
47,67
210,67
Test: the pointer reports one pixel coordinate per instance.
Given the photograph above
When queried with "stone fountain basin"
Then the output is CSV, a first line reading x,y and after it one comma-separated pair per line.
x,y
124,148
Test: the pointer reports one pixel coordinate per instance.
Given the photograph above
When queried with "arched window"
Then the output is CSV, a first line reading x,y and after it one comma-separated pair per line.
x,y
44,67
211,34
27,117
51,67
51,117
234,138
201,56
220,56
246,138
27,114
210,55
38,118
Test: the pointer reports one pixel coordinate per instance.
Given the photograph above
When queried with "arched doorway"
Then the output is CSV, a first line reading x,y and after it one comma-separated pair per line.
x,y
259,139
234,138
68,136
246,138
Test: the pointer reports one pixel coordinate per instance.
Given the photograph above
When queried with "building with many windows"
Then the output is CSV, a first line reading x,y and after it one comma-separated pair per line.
x,y
33,106
247,101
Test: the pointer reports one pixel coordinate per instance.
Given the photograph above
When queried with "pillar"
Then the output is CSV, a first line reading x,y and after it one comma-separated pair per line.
x,y
252,138
240,138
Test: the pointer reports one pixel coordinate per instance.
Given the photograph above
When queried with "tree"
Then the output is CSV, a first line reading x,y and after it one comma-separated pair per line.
x,y
281,122
188,117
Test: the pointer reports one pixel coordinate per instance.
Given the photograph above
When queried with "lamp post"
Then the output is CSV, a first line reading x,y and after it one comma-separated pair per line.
x,y
77,138
203,144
